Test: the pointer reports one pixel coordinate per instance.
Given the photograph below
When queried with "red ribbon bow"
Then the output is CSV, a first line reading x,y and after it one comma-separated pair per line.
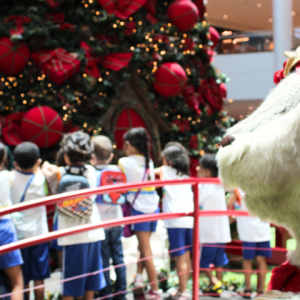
x,y
11,133
123,9
192,101
91,67
19,22
116,61
182,124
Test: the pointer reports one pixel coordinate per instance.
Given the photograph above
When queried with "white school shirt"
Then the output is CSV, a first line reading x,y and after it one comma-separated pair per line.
x,y
213,229
177,199
251,229
133,167
33,221
5,199
107,211
66,222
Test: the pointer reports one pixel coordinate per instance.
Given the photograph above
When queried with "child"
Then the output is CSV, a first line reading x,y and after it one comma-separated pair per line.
x,y
12,261
254,234
81,252
214,231
28,183
112,246
178,199
138,166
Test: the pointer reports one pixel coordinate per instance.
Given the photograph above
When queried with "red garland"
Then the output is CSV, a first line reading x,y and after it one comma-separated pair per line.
x,y
91,67
58,64
182,124
123,9
19,21
192,101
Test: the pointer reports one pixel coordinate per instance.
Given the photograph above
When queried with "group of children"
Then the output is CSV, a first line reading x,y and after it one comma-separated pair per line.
x,y
91,251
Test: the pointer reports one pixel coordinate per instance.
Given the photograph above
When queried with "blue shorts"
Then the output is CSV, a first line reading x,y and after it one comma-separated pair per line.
x,y
262,249
8,235
36,262
213,255
53,243
146,226
81,259
179,238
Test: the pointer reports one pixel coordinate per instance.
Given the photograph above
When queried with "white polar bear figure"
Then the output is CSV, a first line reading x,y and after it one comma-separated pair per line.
x,y
264,158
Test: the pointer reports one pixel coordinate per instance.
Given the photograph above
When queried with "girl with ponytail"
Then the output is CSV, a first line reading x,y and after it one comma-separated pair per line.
x,y
138,166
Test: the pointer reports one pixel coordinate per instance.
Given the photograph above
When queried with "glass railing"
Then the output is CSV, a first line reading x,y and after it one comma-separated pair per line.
x,y
244,42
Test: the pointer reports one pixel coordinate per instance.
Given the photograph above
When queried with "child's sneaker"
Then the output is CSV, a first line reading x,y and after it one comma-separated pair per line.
x,y
153,295
138,281
214,291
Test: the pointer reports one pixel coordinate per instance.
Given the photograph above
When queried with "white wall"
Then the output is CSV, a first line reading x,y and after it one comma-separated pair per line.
x,y
251,74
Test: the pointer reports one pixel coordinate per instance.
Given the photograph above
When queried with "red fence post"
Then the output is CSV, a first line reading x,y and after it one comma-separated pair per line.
x,y
196,243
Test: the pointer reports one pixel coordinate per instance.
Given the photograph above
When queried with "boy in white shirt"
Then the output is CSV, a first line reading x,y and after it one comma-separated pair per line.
x,y
81,252
112,245
10,262
214,231
255,236
28,183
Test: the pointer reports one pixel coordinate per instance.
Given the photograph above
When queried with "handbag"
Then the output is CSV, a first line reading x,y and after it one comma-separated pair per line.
x,y
126,208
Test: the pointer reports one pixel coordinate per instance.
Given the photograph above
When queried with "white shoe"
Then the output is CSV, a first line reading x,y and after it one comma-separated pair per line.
x,y
138,281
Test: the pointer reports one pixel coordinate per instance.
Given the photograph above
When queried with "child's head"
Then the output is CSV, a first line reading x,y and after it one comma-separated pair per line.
x,y
103,150
77,148
2,155
27,157
208,166
136,142
175,156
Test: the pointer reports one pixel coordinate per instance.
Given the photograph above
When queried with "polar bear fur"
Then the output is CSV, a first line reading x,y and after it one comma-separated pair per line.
x,y
264,159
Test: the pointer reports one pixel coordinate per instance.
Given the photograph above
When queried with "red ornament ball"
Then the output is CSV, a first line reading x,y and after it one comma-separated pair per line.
x,y
214,36
42,125
170,79
13,57
183,14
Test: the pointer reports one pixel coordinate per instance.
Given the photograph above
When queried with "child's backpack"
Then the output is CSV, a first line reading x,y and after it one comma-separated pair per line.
x,y
107,176
73,180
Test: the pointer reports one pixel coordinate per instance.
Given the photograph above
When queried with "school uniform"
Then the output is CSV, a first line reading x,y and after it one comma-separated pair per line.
x,y
178,199
147,200
111,246
7,227
214,231
253,232
82,251
32,222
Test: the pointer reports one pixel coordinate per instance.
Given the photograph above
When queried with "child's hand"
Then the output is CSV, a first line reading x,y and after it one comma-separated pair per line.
x,y
48,170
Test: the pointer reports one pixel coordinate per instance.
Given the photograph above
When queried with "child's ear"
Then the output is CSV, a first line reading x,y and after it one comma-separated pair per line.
x,y
38,163
16,166
170,163
111,157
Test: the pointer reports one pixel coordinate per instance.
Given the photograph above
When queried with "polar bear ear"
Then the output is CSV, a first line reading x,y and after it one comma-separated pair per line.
x,y
294,59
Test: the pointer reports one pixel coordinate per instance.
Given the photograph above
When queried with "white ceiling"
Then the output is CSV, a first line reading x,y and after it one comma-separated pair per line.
x,y
246,15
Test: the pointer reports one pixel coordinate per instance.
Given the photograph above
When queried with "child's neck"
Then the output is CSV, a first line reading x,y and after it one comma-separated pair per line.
x,y
101,162
28,171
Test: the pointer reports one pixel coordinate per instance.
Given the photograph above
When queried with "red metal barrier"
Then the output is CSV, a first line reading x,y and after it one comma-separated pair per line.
x,y
129,220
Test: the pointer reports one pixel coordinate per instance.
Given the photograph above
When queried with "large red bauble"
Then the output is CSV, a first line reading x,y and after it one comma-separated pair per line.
x,y
214,36
170,79
183,14
42,125
13,57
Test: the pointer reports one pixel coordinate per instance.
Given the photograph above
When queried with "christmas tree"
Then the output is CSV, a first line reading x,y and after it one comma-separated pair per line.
x,y
105,66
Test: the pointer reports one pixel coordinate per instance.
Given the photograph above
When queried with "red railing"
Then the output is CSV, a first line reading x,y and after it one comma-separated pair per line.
x,y
129,220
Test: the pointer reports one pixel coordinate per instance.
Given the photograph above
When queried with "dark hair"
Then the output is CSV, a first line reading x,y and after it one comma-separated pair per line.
x,y
138,138
103,147
26,155
77,146
2,153
177,155
209,162
60,160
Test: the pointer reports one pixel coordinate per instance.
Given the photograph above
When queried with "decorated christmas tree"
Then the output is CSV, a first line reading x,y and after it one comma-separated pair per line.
x,y
106,66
